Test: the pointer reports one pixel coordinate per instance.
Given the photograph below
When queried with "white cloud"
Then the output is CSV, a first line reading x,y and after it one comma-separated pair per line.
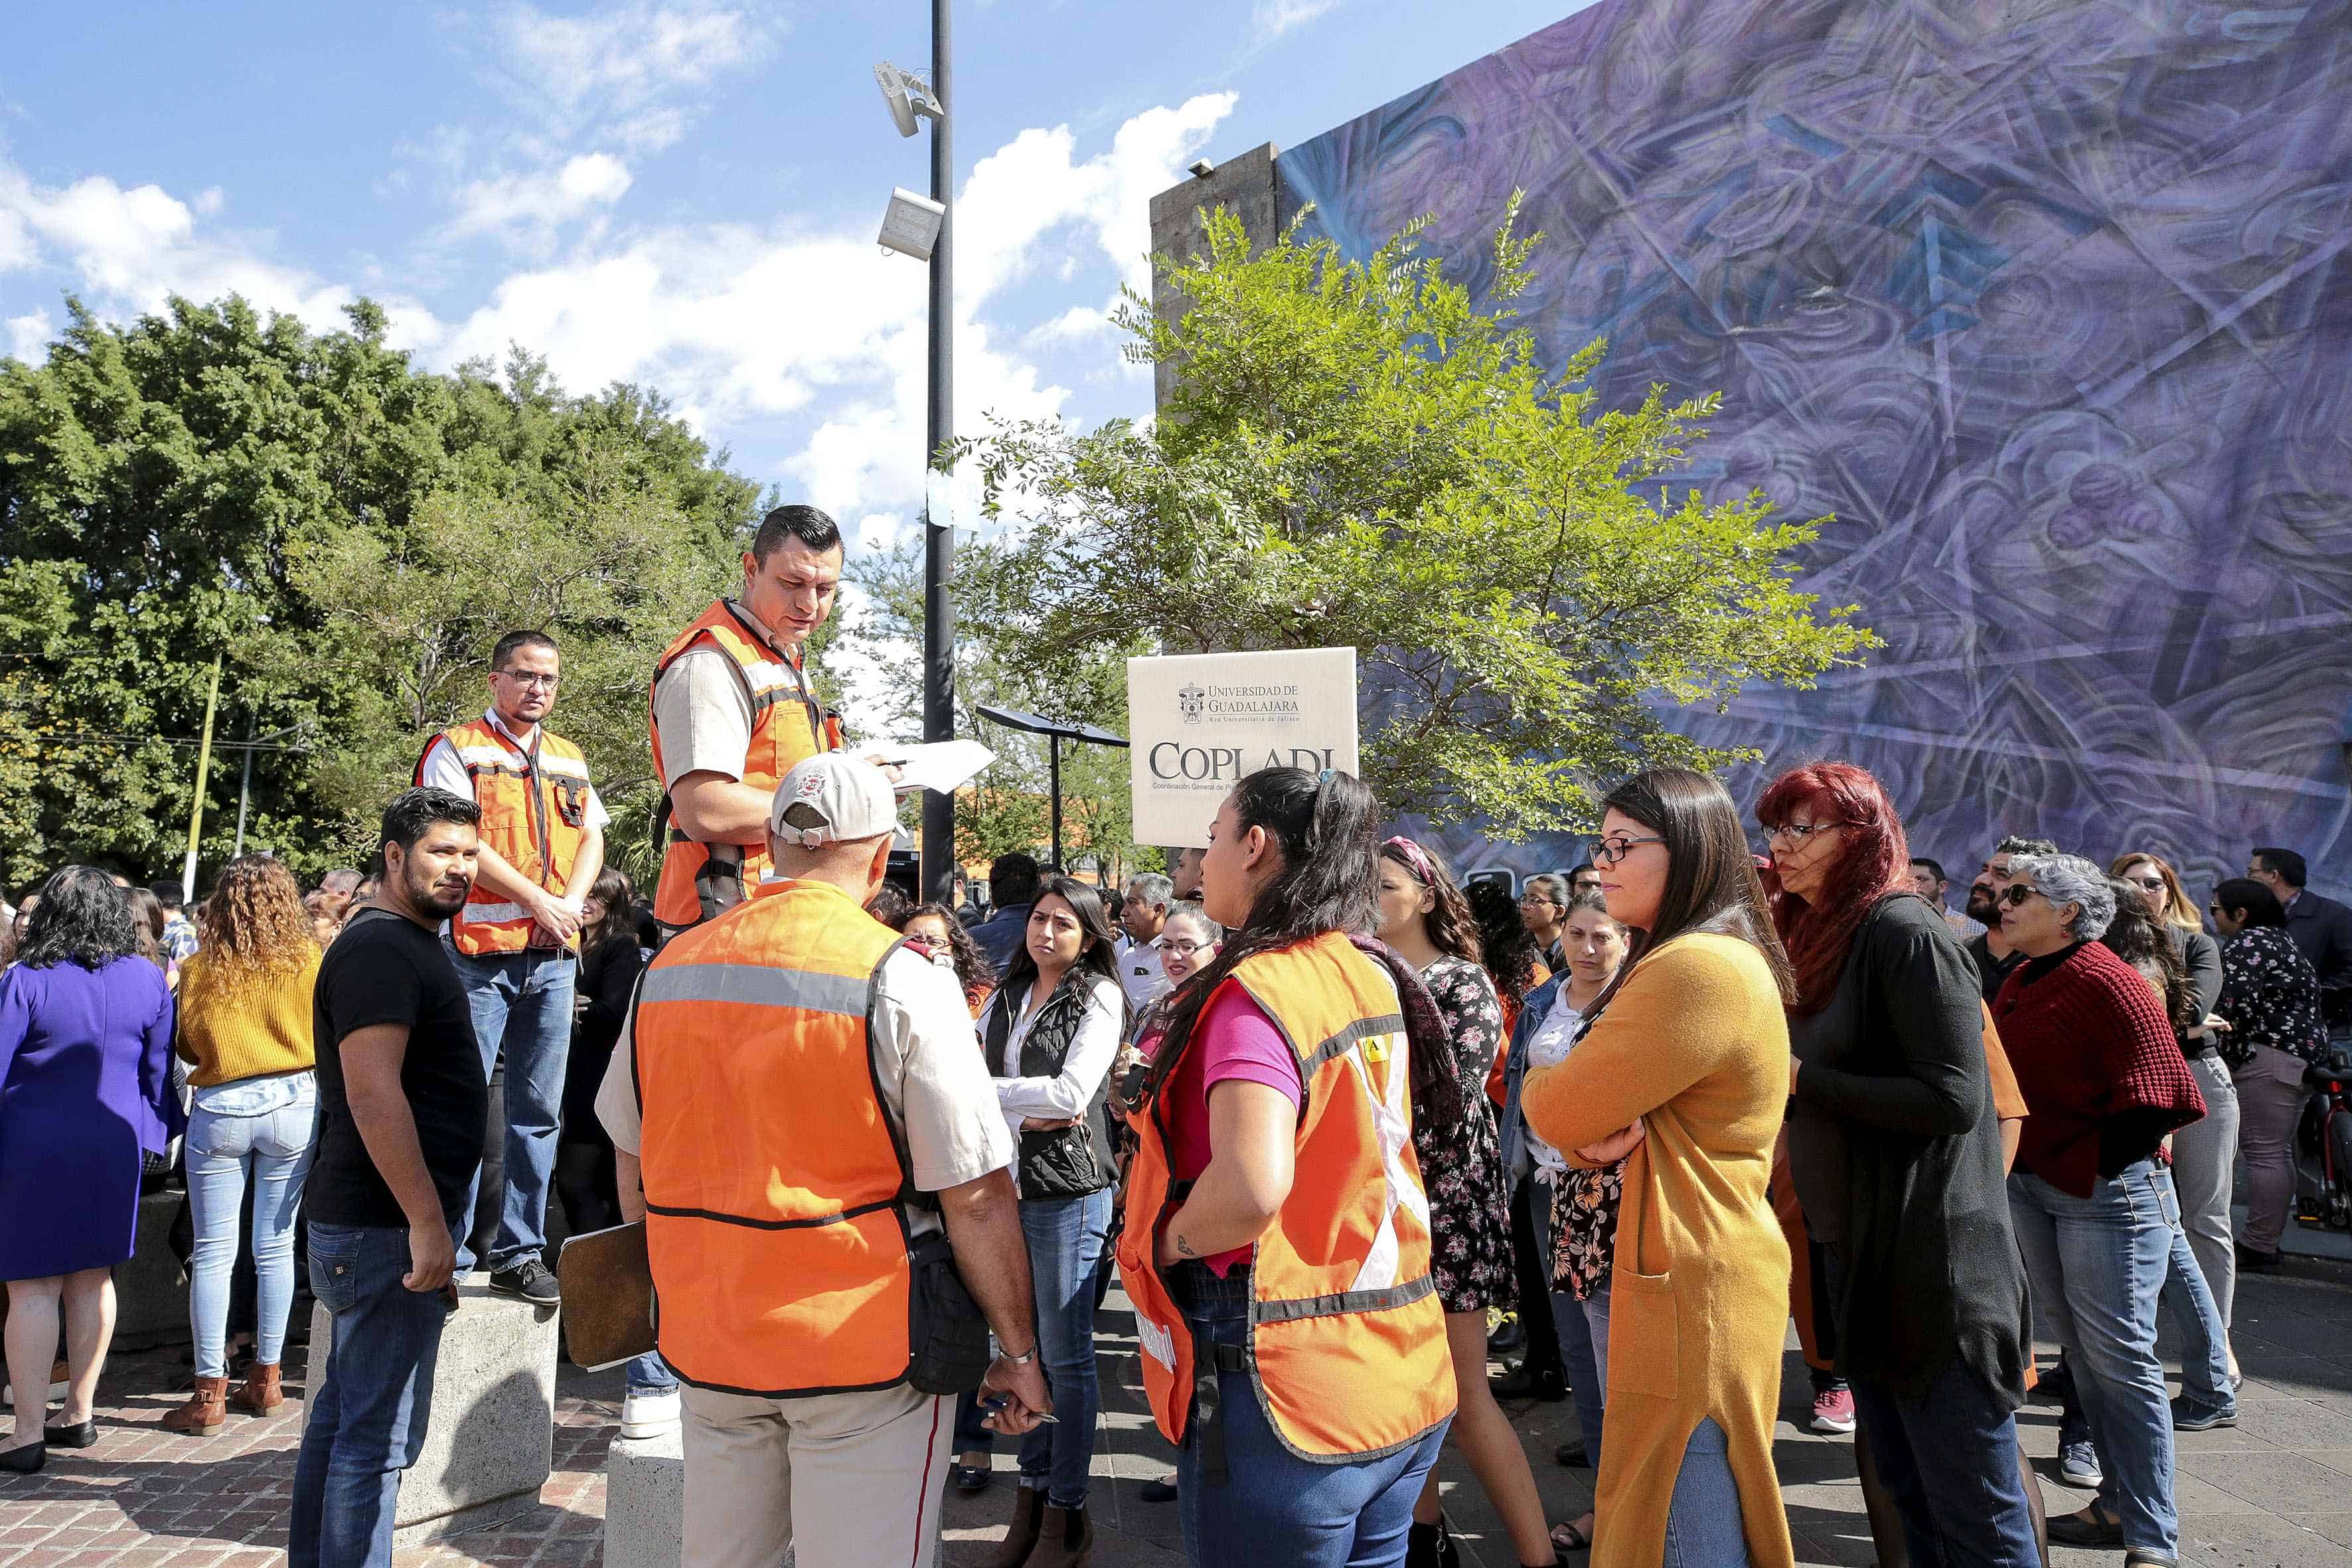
x,y
211,201
1275,17
626,66
28,336
537,203
739,324
134,249
16,247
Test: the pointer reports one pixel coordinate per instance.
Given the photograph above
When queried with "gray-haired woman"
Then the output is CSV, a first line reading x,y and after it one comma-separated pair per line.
x,y
2095,1211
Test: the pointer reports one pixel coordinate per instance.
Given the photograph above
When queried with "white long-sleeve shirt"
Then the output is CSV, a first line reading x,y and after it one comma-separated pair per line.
x,y
1070,1091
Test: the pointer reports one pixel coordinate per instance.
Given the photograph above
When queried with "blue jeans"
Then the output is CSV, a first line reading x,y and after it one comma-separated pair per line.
x,y
1949,1461
2204,1342
522,1005
1576,1352
1066,1247
370,1405
276,1145
1273,1506
649,1374
2096,1266
1704,1527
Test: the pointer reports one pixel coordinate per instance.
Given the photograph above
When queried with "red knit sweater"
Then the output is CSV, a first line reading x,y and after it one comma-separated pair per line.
x,y
2098,1065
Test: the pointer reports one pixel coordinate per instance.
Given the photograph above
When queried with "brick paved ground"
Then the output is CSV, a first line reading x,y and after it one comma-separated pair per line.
x,y
2275,1492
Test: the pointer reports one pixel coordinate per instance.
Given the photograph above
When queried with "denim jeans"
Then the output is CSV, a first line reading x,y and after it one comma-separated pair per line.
x,y
1272,1506
2204,1342
1704,1527
649,1374
371,1401
2096,1266
522,1007
1949,1459
1065,1244
222,1144
1577,1355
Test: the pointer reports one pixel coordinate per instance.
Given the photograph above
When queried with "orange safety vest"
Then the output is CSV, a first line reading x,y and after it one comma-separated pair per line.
x,y
788,725
1347,1351
776,1217
534,813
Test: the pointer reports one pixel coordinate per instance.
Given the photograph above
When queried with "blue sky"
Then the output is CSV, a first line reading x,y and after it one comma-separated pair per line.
x,y
679,193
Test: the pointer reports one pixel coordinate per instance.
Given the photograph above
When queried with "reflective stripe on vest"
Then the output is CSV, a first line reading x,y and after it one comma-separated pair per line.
x,y
534,813
775,1194
788,725
1348,1352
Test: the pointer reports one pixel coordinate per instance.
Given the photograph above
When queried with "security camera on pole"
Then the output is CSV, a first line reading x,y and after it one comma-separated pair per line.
x,y
919,229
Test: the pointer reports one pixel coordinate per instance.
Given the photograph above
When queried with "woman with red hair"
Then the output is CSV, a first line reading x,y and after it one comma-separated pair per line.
x,y
1894,1147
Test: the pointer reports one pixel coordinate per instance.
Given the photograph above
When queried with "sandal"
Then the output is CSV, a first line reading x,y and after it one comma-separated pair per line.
x,y
1571,1536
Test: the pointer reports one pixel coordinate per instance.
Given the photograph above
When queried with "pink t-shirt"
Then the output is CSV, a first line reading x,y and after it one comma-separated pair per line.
x,y
1234,1039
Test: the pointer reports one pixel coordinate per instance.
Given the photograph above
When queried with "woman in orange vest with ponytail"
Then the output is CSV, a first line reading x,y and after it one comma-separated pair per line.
x,y
1276,1243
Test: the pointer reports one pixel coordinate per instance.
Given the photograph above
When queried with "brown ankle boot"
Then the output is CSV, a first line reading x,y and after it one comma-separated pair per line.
x,y
261,1392
1069,1539
1028,1523
207,1410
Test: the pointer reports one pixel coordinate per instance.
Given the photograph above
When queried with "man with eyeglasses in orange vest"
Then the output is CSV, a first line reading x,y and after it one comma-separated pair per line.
x,y
514,942
733,711
797,1113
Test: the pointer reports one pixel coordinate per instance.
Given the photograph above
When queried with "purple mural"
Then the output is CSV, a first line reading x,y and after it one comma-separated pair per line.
x,y
2048,304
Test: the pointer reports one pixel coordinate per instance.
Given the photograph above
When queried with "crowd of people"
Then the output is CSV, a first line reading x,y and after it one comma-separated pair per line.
x,y
1326,1111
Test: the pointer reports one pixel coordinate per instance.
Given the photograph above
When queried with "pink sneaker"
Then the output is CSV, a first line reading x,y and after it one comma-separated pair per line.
x,y
1834,1411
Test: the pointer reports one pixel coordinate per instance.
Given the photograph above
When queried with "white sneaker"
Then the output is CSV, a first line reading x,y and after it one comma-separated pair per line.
x,y
650,1414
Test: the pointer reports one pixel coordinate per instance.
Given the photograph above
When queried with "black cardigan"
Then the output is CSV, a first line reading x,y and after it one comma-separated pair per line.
x,y
1896,1153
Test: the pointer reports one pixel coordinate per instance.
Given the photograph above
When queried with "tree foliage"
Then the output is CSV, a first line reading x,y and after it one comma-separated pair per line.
x,y
1356,454
1006,809
349,535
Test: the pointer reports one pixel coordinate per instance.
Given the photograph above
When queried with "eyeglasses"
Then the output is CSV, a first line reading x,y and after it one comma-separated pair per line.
x,y
1177,944
927,943
521,679
1609,851
1531,899
2015,895
1797,832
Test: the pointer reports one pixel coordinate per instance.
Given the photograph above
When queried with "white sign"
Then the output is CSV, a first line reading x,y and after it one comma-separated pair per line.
x,y
1197,723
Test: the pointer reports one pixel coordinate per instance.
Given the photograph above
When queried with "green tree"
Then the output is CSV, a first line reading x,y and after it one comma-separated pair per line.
x,y
1007,808
1355,454
191,484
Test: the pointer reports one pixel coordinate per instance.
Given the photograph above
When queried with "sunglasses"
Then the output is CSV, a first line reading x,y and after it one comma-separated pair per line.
x,y
2014,895
2152,884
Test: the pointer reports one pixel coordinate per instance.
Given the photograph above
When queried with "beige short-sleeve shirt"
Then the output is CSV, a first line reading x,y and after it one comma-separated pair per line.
x,y
936,1087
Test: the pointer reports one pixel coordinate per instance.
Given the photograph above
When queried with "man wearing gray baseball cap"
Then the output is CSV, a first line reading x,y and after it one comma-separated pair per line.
x,y
780,1209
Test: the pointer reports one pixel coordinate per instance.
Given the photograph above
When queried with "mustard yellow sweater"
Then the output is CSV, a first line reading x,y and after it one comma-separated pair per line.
x,y
1696,1045
263,1027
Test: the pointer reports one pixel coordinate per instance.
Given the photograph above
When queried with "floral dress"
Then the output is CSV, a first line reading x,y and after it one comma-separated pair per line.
x,y
1584,1203
1469,1211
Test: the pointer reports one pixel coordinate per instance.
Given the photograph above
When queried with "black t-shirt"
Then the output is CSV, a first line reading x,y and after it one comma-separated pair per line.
x,y
1992,972
387,969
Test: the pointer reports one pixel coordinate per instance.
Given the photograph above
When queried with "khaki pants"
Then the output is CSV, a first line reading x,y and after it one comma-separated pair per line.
x,y
848,1480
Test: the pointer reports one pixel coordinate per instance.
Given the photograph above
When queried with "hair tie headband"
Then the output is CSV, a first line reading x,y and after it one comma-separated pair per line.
x,y
1416,859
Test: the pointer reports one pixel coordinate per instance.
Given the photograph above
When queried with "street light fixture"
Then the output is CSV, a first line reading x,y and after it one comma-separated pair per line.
x,y
928,235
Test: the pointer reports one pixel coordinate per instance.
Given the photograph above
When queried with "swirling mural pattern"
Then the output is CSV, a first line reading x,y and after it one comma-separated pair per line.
x,y
2048,302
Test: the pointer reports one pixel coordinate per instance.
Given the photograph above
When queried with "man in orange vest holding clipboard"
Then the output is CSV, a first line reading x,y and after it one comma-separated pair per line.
x,y
513,942
733,712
